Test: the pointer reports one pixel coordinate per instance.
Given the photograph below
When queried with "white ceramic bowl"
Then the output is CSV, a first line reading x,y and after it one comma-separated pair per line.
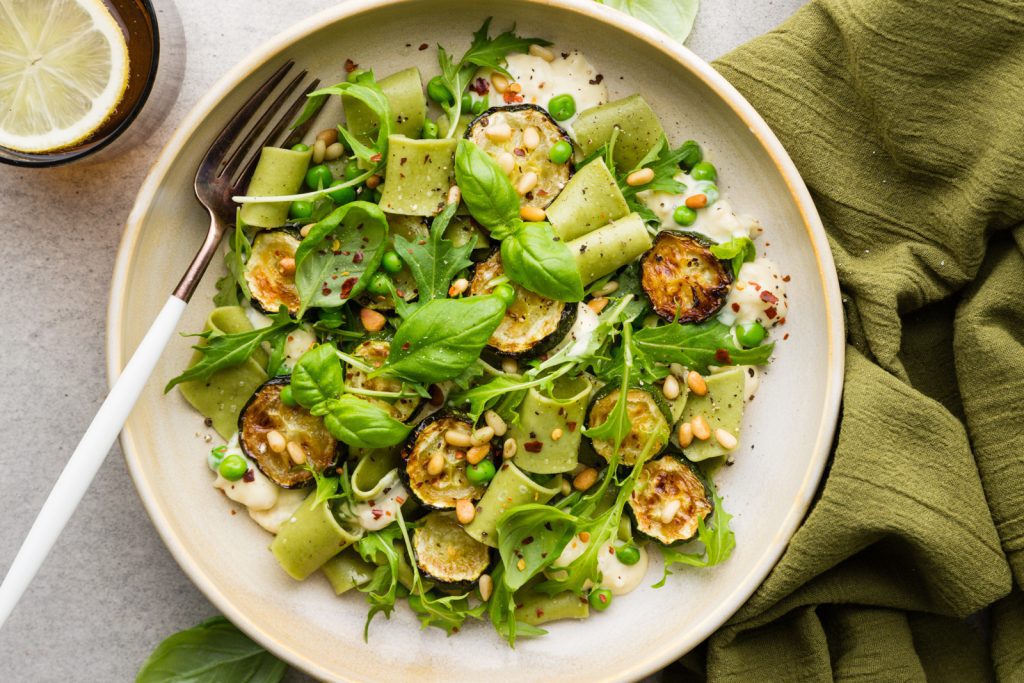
x,y
786,434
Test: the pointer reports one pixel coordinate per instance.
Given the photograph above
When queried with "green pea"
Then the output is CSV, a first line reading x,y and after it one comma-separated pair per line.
x,y
506,293
751,335
705,170
319,176
216,456
628,554
562,107
560,152
600,599
391,262
479,106
287,397
691,155
301,210
342,195
299,147
467,103
684,215
356,75
438,91
481,473
233,467
430,131
352,170
378,285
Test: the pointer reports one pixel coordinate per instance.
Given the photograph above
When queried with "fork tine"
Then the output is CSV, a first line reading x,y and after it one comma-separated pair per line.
x,y
241,149
222,143
275,132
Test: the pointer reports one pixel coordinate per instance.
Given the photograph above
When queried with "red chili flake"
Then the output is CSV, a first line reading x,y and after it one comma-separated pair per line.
x,y
785,278
480,86
540,613
405,346
423,46
358,258
375,158
723,357
249,476
326,291
611,550
769,298
519,152
233,511
782,321
571,426
350,66
399,500
377,514
528,540
785,336
736,308
602,597
399,292
511,97
347,285
533,446
770,312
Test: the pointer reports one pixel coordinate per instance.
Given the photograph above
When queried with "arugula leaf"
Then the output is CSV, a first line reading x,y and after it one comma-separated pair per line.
x,y
360,423
697,346
535,258
227,350
719,541
672,17
486,190
534,534
434,264
501,609
443,338
276,360
235,258
737,251
665,163
448,612
317,376
227,289
618,425
340,254
381,590
482,397
213,651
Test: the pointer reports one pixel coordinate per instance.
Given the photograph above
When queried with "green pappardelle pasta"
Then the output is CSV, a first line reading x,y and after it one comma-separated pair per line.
x,y
311,537
509,488
423,170
550,427
278,172
404,92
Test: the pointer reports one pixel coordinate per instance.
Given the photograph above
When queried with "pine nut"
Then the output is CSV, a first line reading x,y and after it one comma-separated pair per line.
x,y
508,451
276,441
542,52
556,433
725,439
585,479
670,388
668,513
477,453
328,135
436,465
515,88
465,511
531,138
454,195
641,177
319,151
685,434
334,151
498,132
696,383
597,304
287,265
506,162
584,536
372,320
304,231
527,182
609,287
565,487
532,214
296,452
677,370
458,287
373,181
701,428
486,586
495,422
482,436
499,82
457,438
697,201
509,366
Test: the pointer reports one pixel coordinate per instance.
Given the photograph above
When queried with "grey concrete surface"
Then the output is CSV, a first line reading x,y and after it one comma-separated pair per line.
x,y
110,591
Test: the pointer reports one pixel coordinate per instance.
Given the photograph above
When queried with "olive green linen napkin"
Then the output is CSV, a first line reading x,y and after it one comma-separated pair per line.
x,y
906,119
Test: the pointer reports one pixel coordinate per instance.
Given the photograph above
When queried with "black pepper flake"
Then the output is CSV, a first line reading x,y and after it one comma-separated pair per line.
x,y
249,477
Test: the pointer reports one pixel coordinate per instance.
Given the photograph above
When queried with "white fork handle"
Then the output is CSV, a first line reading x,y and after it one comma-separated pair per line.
x,y
88,456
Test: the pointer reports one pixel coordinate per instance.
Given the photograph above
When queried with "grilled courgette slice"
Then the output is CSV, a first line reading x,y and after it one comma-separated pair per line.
x,y
551,177
684,281
375,353
532,325
443,490
265,413
669,499
271,284
446,554
649,416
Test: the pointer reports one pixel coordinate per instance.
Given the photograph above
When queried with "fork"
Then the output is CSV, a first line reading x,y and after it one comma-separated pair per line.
x,y
223,172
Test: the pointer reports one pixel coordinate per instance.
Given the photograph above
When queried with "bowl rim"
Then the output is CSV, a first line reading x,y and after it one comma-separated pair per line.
x,y
667,649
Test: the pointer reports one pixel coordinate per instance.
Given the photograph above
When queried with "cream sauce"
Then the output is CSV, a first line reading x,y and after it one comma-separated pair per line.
x,y
617,577
757,295
718,222
375,514
288,501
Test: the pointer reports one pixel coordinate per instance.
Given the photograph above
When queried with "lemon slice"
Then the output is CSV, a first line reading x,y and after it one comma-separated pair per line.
x,y
63,71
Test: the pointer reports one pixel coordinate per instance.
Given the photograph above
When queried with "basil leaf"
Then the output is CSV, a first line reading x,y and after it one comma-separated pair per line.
x,y
697,346
434,264
317,376
672,17
227,350
486,190
536,259
535,535
340,254
443,337
211,652
362,424
738,251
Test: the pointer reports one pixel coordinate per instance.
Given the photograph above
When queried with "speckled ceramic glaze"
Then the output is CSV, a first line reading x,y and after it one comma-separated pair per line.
x,y
786,434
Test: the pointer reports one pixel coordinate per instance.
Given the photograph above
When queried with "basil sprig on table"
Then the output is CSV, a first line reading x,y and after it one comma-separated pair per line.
x,y
531,253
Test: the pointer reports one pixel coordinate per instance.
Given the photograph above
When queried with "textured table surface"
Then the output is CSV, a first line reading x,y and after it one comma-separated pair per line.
x,y
110,591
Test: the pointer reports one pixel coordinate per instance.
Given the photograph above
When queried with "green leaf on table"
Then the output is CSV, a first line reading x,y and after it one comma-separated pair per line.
x,y
672,17
737,251
486,190
318,376
697,346
535,258
435,263
360,423
212,652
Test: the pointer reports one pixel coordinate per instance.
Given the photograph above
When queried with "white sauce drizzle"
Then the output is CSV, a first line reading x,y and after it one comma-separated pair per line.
x,y
375,514
717,222
288,501
747,302
617,577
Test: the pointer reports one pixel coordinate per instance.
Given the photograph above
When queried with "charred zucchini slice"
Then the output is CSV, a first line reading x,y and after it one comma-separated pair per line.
x,y
375,352
527,156
265,413
648,415
532,325
446,554
683,279
271,284
443,490
669,499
